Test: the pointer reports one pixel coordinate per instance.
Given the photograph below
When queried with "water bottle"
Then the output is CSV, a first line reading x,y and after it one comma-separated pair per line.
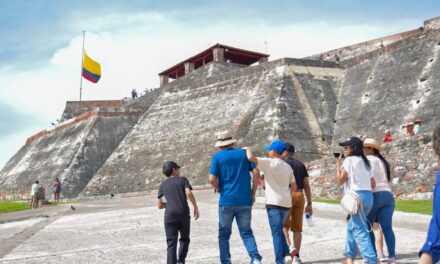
x,y
309,220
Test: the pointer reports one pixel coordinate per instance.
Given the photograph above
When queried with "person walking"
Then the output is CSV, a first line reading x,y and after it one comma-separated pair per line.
x,y
230,176
294,220
355,174
56,190
280,187
172,195
430,252
383,205
34,194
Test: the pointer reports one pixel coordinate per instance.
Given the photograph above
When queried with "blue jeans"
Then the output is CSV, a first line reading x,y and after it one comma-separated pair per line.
x,y
277,218
383,208
357,231
243,217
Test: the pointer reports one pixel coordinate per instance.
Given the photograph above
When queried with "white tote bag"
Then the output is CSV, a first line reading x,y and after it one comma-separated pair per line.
x,y
351,202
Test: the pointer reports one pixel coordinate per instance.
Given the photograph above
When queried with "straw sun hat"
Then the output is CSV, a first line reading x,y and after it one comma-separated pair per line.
x,y
224,138
372,143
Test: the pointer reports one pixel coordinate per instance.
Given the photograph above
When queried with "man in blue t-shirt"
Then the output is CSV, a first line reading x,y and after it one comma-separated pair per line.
x,y
230,175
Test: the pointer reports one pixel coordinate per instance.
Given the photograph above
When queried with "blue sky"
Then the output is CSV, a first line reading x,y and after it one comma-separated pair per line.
x,y
40,44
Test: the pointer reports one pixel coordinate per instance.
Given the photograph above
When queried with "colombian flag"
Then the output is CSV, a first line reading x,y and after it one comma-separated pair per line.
x,y
91,69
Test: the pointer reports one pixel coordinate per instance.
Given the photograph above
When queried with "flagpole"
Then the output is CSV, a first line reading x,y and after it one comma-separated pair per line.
x,y
82,65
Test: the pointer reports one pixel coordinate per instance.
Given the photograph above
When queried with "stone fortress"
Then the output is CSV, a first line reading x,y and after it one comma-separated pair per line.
x,y
115,147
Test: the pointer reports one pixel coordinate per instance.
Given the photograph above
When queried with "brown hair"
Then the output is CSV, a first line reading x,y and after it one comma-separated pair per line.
x,y
436,140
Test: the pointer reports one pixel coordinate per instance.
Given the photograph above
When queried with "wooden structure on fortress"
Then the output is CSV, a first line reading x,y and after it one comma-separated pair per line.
x,y
218,52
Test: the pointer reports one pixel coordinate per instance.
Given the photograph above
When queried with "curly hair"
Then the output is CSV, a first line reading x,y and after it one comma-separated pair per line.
x,y
436,140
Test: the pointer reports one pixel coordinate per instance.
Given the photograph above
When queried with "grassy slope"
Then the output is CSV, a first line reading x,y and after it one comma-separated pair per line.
x,y
409,206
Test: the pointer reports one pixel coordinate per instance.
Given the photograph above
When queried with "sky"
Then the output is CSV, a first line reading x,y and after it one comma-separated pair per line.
x,y
134,40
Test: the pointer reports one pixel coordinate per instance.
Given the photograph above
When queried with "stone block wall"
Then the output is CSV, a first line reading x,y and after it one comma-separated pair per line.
x,y
256,103
414,167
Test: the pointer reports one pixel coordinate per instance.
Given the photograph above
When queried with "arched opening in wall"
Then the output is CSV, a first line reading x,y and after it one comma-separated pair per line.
x,y
431,60
334,121
438,43
323,100
323,139
422,79
427,90
418,101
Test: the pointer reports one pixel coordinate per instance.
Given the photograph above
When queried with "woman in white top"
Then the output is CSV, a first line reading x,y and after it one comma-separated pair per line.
x,y
383,206
355,175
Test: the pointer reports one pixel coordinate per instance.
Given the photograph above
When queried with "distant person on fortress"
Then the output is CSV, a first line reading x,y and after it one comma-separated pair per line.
x,y
280,188
418,129
430,252
34,194
173,194
229,174
329,57
295,218
410,129
356,176
321,58
337,60
387,137
134,94
383,205
56,189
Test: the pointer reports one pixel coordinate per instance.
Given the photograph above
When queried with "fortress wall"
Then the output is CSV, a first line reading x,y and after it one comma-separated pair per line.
x,y
413,168
255,103
73,153
390,90
76,108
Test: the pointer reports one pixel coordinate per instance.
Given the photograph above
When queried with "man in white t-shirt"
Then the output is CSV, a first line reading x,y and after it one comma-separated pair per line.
x,y
280,184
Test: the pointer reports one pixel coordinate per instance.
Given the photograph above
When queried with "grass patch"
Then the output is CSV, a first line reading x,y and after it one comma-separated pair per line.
x,y
409,206
6,207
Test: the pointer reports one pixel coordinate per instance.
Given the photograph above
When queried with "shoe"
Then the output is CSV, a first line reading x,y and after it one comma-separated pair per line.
x,y
293,251
382,259
287,260
296,260
392,261
256,261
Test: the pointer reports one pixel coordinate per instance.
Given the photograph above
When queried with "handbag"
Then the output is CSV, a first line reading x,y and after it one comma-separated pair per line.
x,y
350,202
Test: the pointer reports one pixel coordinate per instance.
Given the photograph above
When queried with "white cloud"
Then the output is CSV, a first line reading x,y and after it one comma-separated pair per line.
x,y
133,50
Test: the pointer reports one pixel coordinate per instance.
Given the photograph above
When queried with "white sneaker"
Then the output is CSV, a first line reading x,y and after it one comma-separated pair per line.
x,y
256,261
392,261
287,260
383,259
296,260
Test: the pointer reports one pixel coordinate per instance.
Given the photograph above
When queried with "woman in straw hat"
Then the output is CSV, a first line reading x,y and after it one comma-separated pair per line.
x,y
383,206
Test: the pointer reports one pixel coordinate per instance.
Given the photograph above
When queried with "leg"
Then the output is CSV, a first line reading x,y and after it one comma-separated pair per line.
x,y
297,218
372,216
378,235
350,244
243,217
184,240
171,234
277,218
360,228
287,226
225,217
386,222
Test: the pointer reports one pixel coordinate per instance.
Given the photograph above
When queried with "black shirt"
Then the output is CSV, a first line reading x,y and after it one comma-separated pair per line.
x,y
173,189
299,170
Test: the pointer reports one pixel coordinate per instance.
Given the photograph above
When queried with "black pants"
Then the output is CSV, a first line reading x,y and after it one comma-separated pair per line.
x,y
171,231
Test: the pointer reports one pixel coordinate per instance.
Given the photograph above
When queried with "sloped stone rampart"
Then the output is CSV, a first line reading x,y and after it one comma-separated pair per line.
x,y
388,91
257,103
73,153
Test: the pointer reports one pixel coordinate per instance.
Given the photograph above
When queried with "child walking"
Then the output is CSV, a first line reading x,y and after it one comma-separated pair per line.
x,y
172,195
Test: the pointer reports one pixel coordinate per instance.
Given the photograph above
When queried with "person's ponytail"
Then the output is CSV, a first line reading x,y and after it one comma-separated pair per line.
x,y
366,161
385,162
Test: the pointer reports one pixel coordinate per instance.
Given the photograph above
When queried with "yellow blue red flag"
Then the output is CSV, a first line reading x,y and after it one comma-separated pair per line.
x,y
91,69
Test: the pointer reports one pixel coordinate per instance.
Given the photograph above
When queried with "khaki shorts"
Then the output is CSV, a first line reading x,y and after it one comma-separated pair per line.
x,y
294,220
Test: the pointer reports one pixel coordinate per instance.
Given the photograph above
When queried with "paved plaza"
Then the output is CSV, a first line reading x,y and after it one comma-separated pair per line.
x,y
130,230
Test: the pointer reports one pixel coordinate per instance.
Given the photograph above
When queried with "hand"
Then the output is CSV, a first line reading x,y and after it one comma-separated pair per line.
x,y
196,213
309,209
339,159
253,198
